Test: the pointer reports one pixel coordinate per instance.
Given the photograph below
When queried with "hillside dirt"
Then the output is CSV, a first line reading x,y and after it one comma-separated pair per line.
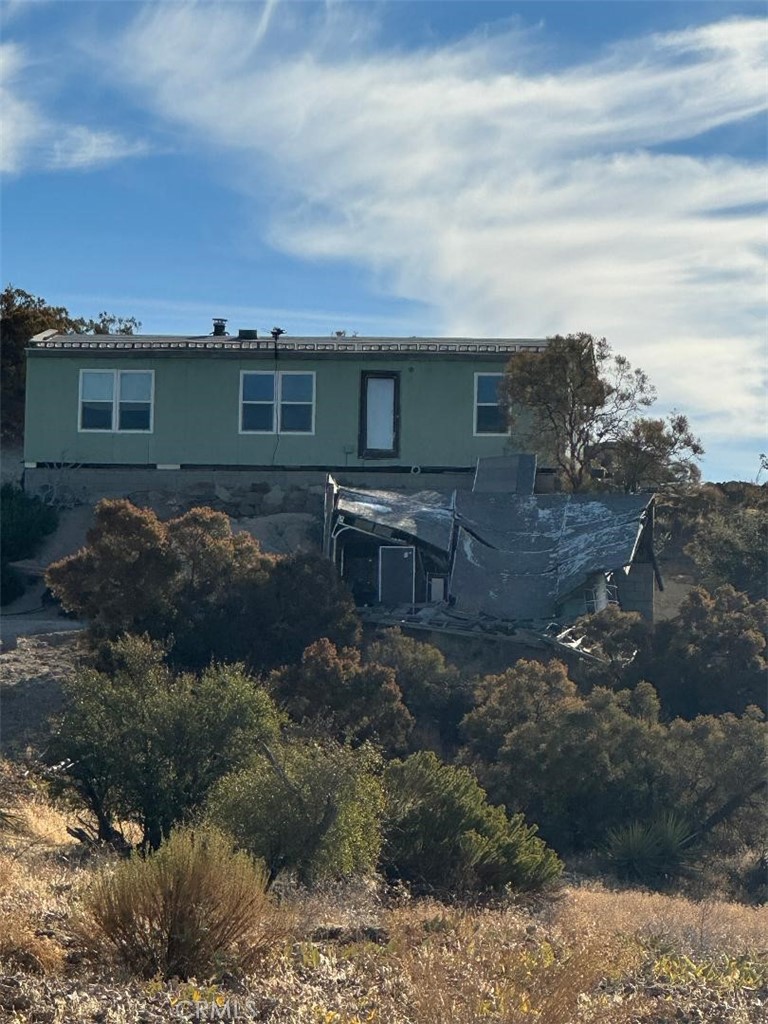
x,y
30,689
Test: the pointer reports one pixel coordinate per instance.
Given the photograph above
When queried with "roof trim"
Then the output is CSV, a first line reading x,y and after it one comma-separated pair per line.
x,y
311,346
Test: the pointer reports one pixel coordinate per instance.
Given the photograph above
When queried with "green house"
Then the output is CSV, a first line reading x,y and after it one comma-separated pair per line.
x,y
359,407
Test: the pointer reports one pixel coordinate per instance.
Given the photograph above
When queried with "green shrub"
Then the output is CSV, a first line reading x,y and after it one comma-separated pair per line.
x,y
441,833
193,908
11,584
200,589
352,700
25,521
305,807
144,744
650,852
434,691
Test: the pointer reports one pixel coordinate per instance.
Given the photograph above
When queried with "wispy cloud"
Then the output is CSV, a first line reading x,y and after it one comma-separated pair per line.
x,y
513,199
33,139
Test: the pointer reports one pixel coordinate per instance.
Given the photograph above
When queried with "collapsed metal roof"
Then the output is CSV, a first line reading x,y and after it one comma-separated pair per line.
x,y
520,556
511,556
426,516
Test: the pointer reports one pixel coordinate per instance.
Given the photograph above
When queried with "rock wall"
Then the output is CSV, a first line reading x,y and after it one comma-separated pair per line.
x,y
239,493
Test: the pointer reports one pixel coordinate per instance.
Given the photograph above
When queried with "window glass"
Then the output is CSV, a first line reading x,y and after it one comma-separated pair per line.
x,y
258,416
488,387
296,419
380,414
258,387
489,414
135,387
97,393
96,416
134,416
296,393
490,420
296,387
98,385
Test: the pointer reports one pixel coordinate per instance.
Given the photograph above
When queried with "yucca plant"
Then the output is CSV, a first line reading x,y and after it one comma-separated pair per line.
x,y
650,852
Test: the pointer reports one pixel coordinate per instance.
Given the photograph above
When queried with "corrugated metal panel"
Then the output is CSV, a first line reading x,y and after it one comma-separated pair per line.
x,y
599,535
506,474
519,554
426,516
503,584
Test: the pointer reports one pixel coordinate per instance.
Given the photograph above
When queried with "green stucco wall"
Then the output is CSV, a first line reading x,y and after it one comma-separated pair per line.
x,y
196,412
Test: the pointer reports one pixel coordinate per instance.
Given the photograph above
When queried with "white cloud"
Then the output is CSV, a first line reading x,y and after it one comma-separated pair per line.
x,y
513,200
32,139
20,128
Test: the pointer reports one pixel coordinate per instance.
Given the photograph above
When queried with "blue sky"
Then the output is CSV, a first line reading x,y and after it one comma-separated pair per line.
x,y
510,169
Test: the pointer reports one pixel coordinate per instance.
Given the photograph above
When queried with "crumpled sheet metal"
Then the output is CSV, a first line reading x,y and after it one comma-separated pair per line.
x,y
426,516
519,557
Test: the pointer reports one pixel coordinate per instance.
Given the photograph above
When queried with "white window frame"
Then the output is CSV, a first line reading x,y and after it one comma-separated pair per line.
x,y
277,427
476,405
115,428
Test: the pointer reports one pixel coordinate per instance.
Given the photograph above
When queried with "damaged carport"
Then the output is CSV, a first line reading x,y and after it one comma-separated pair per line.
x,y
489,560
391,548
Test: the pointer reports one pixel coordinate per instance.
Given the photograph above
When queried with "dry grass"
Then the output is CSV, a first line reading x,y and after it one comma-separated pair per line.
x,y
590,955
700,928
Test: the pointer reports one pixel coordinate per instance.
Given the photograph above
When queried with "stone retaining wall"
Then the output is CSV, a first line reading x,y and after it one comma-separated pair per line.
x,y
239,493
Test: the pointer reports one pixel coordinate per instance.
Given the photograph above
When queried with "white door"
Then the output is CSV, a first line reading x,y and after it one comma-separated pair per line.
x,y
380,408
379,414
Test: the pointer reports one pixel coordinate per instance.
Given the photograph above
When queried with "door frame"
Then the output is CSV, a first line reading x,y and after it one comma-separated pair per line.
x,y
363,451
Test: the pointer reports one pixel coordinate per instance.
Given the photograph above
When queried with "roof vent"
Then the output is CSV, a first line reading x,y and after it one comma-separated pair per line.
x,y
247,334
219,327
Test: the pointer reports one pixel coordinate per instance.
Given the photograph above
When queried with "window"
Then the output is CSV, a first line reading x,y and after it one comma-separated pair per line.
x,y
280,402
489,413
116,400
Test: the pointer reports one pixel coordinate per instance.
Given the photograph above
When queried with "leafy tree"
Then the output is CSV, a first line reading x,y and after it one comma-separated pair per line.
x,y
442,833
584,402
716,777
524,693
23,315
352,700
145,745
309,807
304,600
581,765
730,547
653,453
712,657
208,592
435,692
119,580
